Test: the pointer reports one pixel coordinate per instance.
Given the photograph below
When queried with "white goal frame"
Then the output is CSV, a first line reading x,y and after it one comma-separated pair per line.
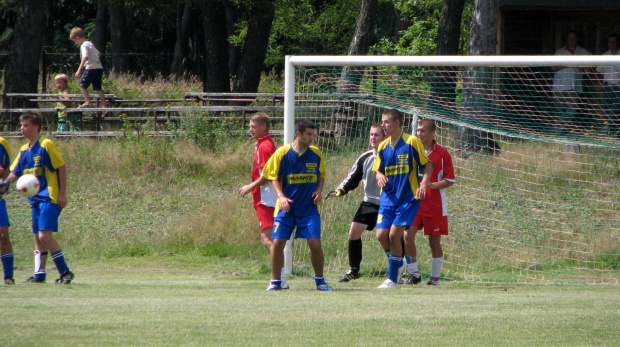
x,y
292,61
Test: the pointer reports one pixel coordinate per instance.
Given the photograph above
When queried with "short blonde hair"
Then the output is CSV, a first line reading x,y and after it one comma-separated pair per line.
x,y
77,32
261,118
62,76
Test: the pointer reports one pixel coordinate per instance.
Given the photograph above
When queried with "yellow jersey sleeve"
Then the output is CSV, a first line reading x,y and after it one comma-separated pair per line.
x,y
53,151
322,171
272,167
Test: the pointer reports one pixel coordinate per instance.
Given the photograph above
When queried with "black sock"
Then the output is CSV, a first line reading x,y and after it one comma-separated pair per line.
x,y
355,254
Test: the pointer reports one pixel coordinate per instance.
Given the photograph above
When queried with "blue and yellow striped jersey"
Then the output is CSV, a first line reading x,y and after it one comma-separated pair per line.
x,y
399,163
42,160
5,155
298,175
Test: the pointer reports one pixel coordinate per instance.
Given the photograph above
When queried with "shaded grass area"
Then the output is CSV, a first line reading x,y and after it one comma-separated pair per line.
x,y
197,300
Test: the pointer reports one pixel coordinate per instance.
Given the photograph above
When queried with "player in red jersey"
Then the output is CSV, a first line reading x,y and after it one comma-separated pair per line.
x,y
433,212
263,195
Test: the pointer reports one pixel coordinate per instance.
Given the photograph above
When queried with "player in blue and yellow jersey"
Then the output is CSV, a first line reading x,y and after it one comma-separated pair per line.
x,y
6,250
396,165
297,173
41,157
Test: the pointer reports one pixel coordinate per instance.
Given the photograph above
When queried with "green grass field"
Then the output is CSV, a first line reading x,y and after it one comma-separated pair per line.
x,y
195,300
165,252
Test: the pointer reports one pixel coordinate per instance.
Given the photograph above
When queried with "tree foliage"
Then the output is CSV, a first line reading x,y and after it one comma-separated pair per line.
x,y
151,30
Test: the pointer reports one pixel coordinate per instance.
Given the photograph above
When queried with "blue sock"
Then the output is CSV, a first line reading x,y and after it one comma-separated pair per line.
x,y
59,260
393,265
7,265
319,280
277,282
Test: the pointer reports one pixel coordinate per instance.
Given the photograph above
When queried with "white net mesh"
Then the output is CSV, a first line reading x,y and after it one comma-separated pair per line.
x,y
537,193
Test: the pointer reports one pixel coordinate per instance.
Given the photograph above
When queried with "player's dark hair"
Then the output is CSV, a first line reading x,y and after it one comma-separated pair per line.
x,y
261,118
32,117
394,114
304,124
378,126
614,35
430,123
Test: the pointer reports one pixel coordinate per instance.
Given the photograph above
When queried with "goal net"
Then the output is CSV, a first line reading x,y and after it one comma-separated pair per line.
x,y
537,192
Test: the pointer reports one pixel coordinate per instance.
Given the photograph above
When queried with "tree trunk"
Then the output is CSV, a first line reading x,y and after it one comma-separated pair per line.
x,y
478,84
119,36
101,28
255,47
234,51
448,36
216,48
360,44
22,70
177,67
362,39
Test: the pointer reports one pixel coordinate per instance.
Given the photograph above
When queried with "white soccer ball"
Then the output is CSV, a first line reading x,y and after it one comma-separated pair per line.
x,y
28,185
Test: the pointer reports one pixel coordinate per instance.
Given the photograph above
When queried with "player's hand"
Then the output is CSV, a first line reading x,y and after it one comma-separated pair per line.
x,y
420,193
423,191
285,203
382,180
244,190
316,197
62,200
4,186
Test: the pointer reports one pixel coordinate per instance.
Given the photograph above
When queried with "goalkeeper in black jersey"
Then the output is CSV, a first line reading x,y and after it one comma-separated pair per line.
x,y
366,215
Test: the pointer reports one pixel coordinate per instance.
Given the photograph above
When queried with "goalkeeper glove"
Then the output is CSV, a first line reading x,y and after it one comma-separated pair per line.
x,y
339,192
4,186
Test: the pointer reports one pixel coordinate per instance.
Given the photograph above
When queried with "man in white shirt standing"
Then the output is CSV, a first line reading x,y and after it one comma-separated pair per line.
x,y
568,80
611,83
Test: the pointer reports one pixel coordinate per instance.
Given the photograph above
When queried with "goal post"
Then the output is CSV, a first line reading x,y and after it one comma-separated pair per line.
x,y
537,193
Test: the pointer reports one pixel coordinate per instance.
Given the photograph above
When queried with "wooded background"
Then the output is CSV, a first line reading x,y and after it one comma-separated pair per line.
x,y
229,44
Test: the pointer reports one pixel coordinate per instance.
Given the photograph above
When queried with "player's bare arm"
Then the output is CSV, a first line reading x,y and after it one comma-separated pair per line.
x,y
283,200
382,180
317,195
426,180
62,185
78,73
248,188
441,185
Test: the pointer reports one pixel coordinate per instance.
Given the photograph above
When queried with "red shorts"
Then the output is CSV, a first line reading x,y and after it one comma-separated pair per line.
x,y
433,226
265,216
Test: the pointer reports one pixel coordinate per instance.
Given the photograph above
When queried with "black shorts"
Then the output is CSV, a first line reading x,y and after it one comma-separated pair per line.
x,y
367,214
91,76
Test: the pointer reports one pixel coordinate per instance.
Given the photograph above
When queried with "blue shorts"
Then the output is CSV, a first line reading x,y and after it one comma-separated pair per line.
x,y
308,227
4,215
91,76
402,215
45,217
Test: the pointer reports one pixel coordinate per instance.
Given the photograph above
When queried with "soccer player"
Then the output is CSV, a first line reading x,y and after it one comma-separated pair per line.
x,y
366,216
6,250
41,157
297,172
432,215
263,195
398,158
